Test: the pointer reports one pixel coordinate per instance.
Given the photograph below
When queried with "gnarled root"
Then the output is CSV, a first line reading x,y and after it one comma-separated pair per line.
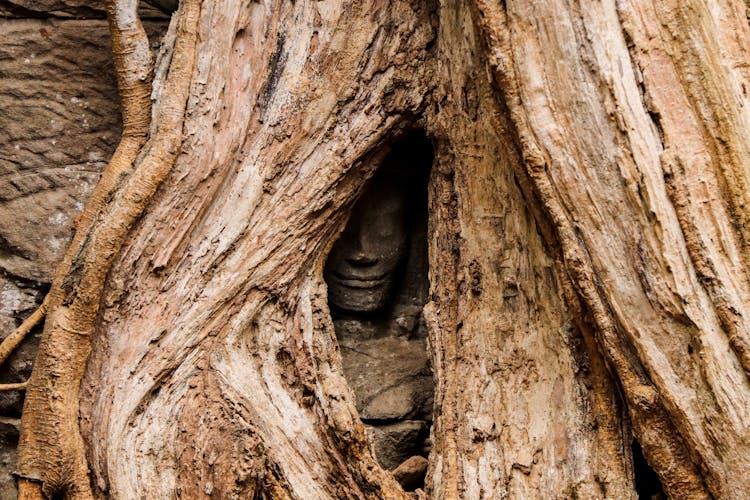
x,y
51,452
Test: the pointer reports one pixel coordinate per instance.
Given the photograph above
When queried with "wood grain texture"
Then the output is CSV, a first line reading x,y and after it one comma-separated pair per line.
x,y
296,129
525,404
621,108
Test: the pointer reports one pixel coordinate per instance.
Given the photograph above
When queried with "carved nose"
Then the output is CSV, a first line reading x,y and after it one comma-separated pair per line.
x,y
361,259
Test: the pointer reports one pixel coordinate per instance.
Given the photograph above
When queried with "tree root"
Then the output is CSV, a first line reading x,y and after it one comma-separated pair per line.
x,y
51,454
20,386
12,341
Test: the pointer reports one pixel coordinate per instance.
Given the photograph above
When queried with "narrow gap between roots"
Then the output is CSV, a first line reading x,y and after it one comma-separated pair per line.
x,y
377,276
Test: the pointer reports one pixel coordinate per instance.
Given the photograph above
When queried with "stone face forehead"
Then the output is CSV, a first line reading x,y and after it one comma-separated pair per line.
x,y
363,269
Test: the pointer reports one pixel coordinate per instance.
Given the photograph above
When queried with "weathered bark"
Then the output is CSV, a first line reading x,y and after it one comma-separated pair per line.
x,y
640,166
587,251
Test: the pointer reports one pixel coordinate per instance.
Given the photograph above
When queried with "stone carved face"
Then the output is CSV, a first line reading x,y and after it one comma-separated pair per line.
x,y
361,268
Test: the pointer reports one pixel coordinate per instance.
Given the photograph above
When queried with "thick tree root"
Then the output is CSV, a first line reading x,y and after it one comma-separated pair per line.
x,y
52,460
660,439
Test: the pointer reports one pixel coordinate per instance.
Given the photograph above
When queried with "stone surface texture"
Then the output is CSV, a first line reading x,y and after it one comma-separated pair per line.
x,y
409,473
77,9
59,124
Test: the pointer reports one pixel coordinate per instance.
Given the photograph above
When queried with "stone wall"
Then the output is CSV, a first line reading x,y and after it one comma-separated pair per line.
x,y
59,124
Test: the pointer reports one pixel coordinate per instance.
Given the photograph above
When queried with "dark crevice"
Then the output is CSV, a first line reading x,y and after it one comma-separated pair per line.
x,y
276,66
647,484
377,275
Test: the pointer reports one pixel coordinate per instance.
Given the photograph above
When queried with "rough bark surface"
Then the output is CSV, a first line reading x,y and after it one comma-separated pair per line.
x,y
587,254
628,114
292,125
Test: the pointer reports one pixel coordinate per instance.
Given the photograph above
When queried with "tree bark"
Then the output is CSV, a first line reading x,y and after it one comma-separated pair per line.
x,y
587,253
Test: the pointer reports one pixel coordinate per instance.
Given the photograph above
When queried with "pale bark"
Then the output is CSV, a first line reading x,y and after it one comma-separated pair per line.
x,y
525,406
259,391
587,250
632,121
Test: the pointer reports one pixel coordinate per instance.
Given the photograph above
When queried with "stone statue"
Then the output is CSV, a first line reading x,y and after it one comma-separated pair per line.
x,y
361,268
377,286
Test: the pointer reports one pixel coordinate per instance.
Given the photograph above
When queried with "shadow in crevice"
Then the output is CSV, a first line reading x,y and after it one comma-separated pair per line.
x,y
377,276
647,484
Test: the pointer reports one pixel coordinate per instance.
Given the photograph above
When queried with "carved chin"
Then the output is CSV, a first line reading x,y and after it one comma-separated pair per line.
x,y
356,299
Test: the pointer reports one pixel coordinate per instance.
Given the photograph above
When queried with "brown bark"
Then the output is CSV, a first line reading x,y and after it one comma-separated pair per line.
x,y
636,232
587,251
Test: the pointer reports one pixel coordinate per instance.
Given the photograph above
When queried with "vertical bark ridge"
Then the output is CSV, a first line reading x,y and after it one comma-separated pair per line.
x,y
704,163
584,132
705,154
524,405
441,318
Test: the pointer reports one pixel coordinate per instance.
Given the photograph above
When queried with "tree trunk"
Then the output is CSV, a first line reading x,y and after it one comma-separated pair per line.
x,y
588,240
